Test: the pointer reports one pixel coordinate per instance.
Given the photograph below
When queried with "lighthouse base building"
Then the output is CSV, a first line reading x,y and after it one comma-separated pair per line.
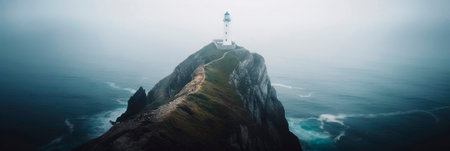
x,y
219,44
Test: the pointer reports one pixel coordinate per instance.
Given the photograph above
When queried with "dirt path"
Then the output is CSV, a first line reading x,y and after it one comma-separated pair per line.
x,y
204,73
190,88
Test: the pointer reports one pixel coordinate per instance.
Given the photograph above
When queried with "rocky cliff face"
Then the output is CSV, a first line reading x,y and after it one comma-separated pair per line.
x,y
136,103
214,100
252,84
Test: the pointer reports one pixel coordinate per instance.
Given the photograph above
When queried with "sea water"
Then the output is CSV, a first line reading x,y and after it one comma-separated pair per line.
x,y
381,107
51,108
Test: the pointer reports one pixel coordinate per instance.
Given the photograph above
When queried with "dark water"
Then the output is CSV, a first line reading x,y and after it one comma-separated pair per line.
x,y
52,108
386,107
395,107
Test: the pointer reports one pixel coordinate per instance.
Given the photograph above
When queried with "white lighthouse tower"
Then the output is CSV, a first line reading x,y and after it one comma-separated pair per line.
x,y
225,43
227,35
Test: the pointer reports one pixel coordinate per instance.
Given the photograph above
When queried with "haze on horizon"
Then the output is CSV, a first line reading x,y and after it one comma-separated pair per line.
x,y
118,34
379,68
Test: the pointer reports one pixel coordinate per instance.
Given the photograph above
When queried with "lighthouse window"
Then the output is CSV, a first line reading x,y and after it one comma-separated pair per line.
x,y
226,25
225,32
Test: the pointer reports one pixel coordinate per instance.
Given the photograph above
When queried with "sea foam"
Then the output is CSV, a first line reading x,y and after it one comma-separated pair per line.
x,y
121,101
100,123
115,86
70,126
303,128
305,96
285,86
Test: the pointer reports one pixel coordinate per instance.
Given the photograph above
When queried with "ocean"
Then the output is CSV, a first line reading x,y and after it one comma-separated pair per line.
x,y
327,107
53,108
379,107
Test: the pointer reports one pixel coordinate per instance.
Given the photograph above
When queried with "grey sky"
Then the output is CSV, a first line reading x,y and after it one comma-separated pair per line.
x,y
349,33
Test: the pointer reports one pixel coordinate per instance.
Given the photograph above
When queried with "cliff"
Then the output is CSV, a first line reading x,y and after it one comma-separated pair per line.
x,y
136,103
214,100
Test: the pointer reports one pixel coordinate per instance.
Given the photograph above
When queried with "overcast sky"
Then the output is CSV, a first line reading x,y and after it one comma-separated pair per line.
x,y
349,33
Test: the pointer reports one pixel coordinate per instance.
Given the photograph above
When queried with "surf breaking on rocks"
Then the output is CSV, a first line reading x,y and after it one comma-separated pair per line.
x,y
305,133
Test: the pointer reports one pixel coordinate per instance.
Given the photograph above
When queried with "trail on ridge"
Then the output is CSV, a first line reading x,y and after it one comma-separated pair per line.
x,y
199,77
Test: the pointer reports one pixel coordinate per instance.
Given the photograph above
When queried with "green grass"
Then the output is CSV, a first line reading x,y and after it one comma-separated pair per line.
x,y
210,52
213,108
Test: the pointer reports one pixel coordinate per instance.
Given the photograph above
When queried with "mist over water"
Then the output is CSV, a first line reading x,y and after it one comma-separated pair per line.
x,y
351,75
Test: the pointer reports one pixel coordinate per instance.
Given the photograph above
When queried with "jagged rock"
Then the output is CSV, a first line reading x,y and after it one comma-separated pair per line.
x,y
251,82
136,103
214,100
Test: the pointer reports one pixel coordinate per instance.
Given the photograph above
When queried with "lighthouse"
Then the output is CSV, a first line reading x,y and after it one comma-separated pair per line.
x,y
225,43
227,35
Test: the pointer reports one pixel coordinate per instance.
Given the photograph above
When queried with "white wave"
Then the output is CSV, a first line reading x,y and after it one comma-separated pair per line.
x,y
121,101
115,86
305,96
295,125
337,138
331,119
100,123
302,129
285,86
70,126
394,114
340,117
440,108
55,141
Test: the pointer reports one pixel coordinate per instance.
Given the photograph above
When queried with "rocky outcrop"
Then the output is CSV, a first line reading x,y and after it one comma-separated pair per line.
x,y
136,103
252,83
214,100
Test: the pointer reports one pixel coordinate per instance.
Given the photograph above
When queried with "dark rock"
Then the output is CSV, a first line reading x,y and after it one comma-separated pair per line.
x,y
136,103
252,83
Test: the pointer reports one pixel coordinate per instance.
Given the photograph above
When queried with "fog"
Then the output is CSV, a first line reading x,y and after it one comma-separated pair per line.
x,y
350,74
152,37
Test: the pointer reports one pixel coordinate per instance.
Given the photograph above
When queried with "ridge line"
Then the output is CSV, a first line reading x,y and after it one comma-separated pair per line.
x,y
190,88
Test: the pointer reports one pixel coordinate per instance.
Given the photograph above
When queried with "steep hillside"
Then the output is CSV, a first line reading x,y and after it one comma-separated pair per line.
x,y
214,100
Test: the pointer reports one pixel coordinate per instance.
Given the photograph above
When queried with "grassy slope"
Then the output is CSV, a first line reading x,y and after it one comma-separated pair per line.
x,y
206,116
207,53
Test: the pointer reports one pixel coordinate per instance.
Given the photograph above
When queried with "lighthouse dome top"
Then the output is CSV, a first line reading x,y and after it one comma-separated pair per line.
x,y
227,17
